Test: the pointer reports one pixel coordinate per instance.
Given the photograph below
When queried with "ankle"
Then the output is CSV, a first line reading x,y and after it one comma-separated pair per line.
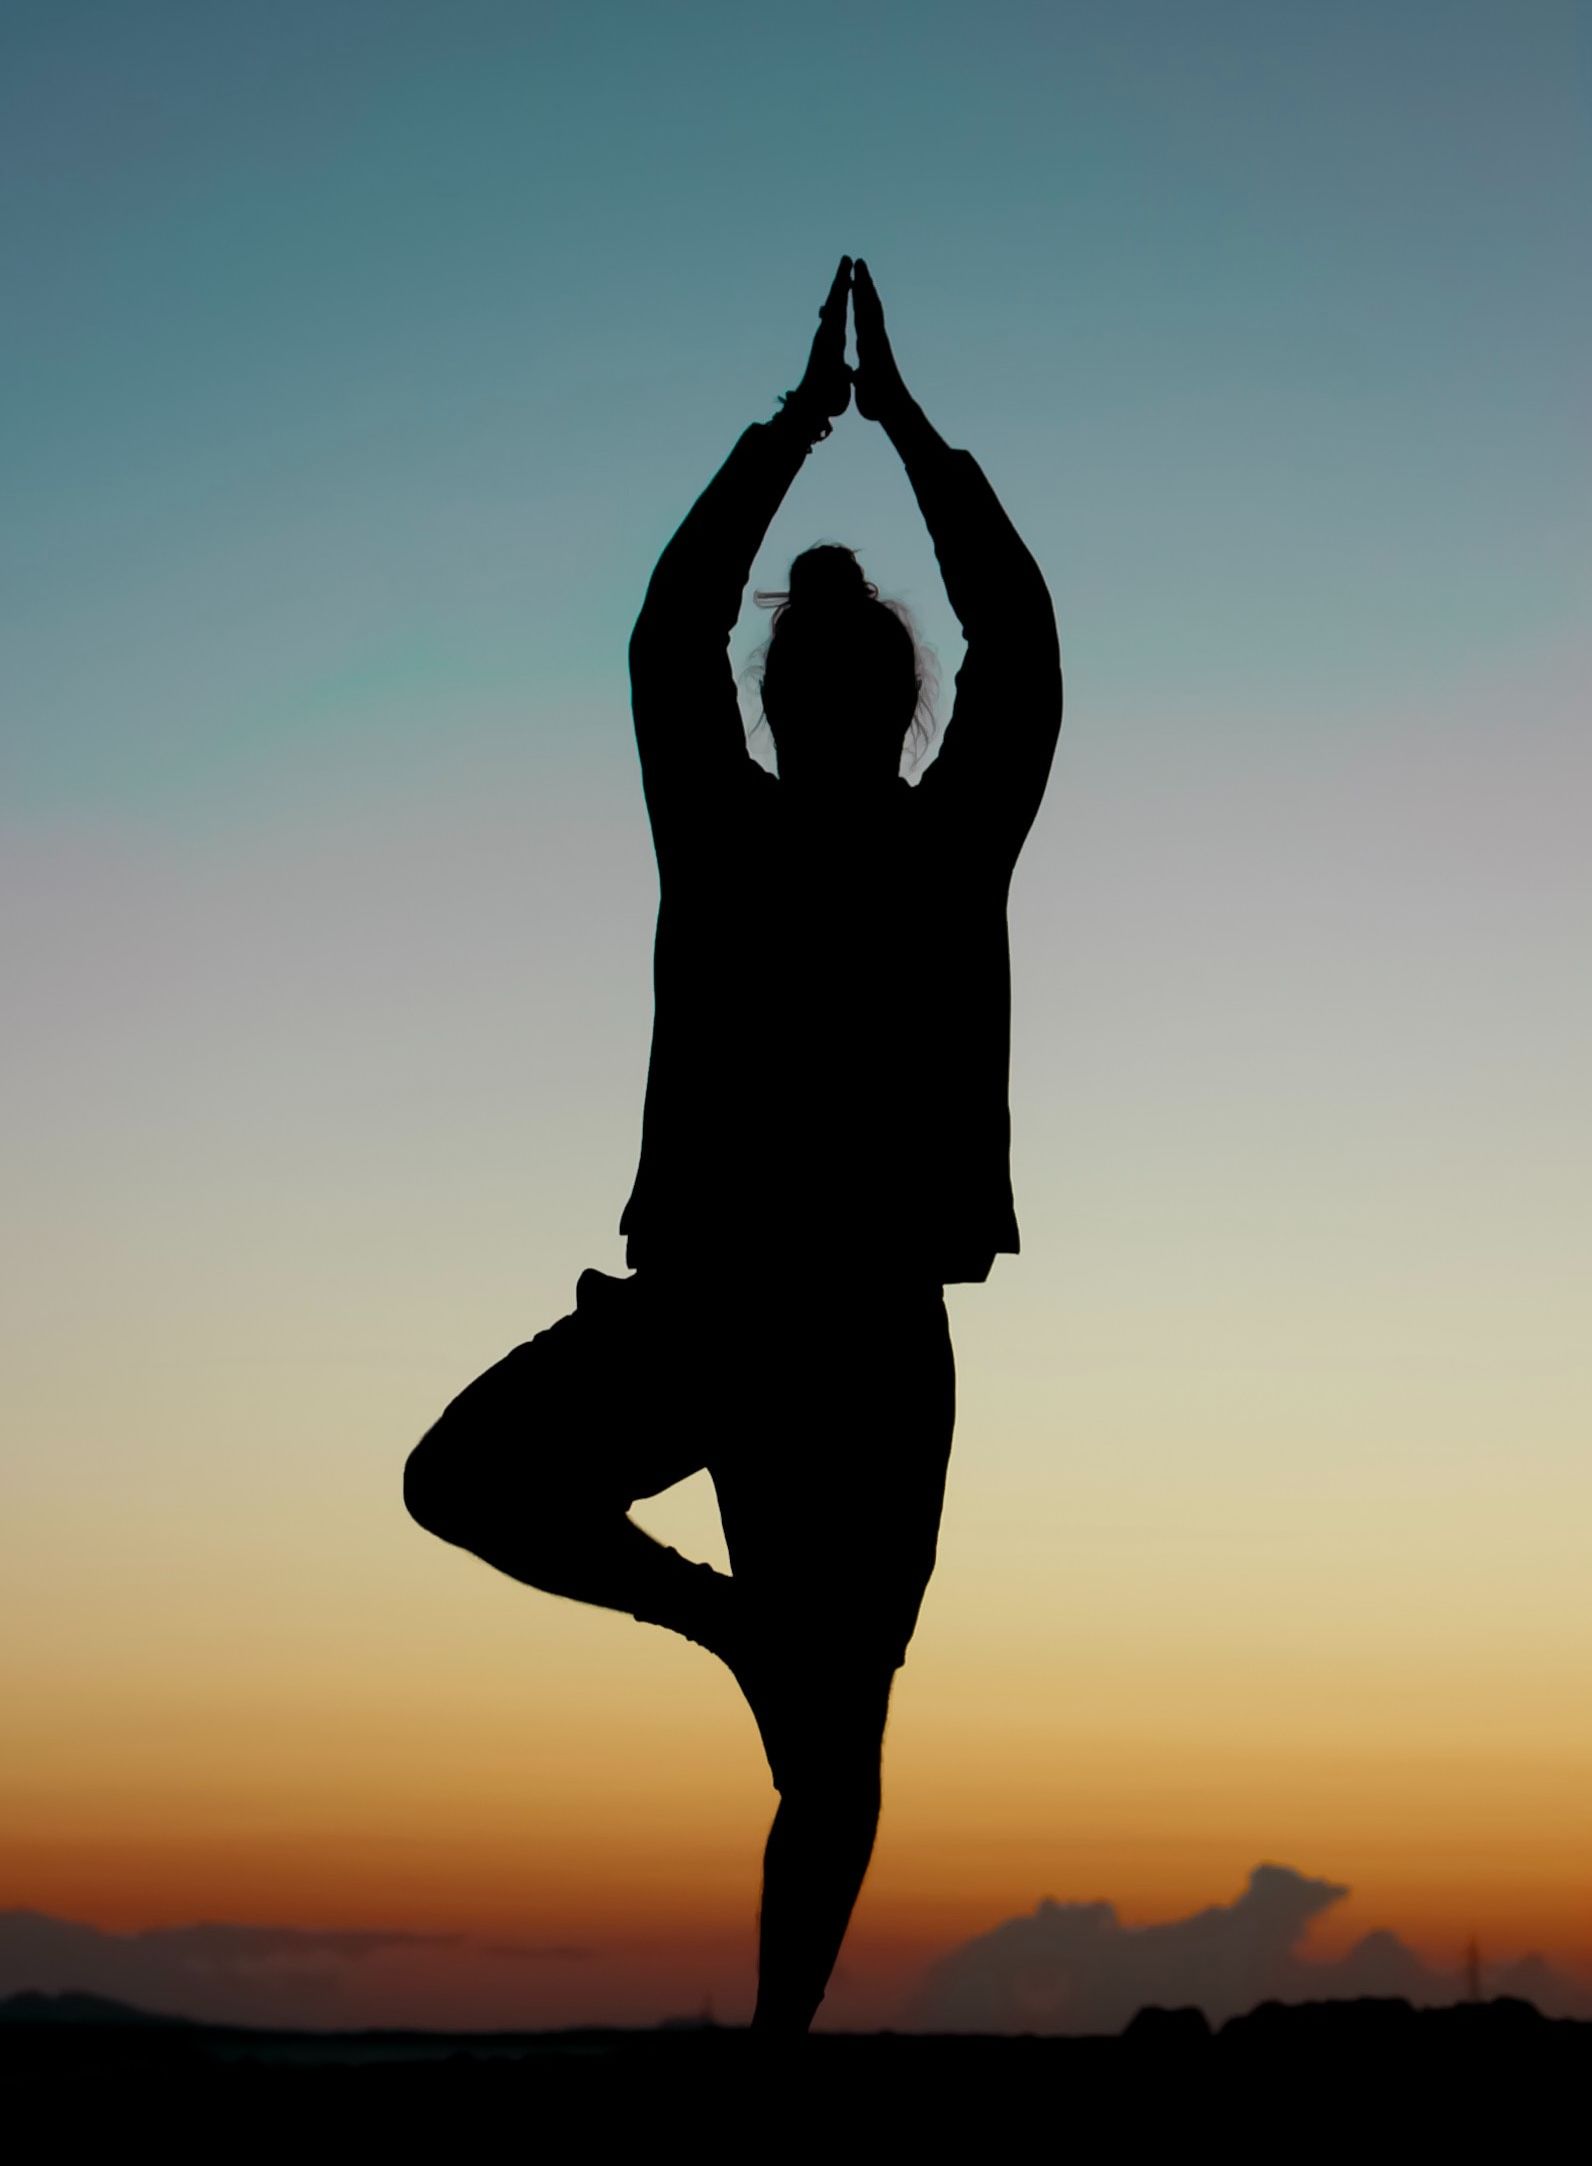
x,y
778,2018
689,1598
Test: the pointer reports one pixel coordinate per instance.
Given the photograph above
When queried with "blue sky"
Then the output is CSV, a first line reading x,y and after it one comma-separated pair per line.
x,y
362,356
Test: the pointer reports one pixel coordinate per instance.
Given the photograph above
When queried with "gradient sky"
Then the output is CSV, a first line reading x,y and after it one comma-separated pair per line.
x,y
359,360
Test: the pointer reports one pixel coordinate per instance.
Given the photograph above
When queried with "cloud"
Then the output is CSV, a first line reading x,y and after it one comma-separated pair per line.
x,y
224,1973
1076,1967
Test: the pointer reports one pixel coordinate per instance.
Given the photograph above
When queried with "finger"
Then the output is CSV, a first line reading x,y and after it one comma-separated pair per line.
x,y
865,298
836,298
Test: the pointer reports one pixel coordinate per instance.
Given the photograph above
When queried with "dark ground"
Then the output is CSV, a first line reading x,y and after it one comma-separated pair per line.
x,y
1385,2074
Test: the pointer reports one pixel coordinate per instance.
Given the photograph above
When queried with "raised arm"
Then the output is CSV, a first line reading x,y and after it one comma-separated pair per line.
x,y
688,721
997,747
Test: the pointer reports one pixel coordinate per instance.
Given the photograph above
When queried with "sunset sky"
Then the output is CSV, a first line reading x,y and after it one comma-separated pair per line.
x,y
360,358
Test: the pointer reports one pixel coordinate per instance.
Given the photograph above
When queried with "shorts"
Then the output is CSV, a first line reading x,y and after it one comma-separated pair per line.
x,y
824,1418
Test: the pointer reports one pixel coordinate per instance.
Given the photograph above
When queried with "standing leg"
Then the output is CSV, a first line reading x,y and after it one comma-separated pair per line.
x,y
831,1505
825,1735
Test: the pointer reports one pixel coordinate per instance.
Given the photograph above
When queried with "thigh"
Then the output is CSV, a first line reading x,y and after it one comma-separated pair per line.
x,y
588,1406
831,1480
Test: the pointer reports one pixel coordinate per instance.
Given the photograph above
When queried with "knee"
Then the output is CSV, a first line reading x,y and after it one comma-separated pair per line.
x,y
468,1484
469,1468
456,1478
825,1740
432,1485
825,1776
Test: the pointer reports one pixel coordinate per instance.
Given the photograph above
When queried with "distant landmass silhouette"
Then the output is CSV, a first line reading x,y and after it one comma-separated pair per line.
x,y
1314,2063
1065,1968
78,2008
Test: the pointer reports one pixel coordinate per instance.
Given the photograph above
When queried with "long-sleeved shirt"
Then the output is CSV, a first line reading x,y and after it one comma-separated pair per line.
x,y
828,1083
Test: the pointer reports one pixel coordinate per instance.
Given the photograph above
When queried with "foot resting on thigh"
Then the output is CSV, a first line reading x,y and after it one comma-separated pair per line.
x,y
685,1597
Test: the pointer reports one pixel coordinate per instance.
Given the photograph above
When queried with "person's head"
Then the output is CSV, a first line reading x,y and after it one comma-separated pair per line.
x,y
843,678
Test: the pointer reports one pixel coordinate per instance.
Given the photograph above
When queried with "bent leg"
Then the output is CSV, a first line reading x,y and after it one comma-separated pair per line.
x,y
562,1544
533,1466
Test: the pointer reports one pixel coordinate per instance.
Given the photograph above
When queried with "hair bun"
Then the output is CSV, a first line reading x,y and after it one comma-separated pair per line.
x,y
829,575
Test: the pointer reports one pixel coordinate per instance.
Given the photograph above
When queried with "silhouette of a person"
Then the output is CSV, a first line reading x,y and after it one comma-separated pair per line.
x,y
825,1139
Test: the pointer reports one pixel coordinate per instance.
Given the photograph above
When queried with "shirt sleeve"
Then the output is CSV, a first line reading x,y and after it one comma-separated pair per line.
x,y
689,732
996,749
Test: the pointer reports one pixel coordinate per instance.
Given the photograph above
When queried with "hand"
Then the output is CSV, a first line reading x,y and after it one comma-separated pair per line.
x,y
881,395
826,387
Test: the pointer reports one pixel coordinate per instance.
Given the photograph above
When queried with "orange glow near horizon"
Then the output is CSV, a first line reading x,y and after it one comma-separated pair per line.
x,y
260,1716
614,1797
